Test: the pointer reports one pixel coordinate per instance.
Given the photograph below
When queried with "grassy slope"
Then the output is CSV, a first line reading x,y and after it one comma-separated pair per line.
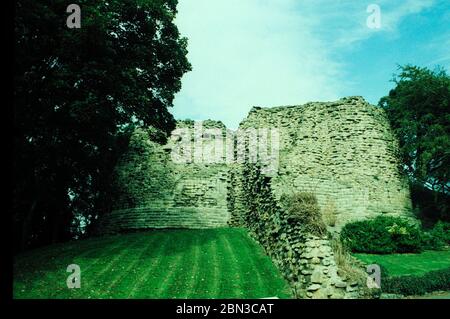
x,y
215,263
409,264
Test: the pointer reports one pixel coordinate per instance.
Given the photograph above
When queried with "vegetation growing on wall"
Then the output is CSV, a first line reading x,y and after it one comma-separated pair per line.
x,y
304,209
293,233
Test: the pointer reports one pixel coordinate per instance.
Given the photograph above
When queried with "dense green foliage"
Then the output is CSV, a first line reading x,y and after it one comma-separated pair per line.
x,y
419,111
382,235
437,237
417,285
213,263
386,235
428,204
78,93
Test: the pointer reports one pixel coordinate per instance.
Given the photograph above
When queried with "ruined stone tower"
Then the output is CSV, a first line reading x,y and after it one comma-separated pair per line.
x,y
152,190
342,154
343,151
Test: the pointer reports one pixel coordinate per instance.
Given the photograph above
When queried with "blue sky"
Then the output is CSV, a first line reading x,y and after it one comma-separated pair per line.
x,y
248,53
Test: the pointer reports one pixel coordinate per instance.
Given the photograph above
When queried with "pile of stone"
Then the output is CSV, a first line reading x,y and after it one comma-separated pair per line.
x,y
304,259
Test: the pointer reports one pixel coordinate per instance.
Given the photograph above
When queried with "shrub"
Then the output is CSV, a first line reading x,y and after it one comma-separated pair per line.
x,y
438,237
431,242
441,232
417,285
382,235
302,208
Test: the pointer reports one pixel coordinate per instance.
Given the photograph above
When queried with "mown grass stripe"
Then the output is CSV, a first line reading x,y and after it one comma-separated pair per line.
x,y
216,267
94,279
252,281
89,278
45,255
157,264
127,266
148,269
56,276
248,280
179,267
164,277
203,280
270,281
190,262
262,266
229,287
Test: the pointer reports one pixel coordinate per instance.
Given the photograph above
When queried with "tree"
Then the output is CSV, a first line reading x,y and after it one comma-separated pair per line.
x,y
419,112
77,92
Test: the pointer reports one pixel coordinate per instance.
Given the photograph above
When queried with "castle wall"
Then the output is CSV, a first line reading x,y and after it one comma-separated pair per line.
x,y
343,151
306,260
154,191
345,154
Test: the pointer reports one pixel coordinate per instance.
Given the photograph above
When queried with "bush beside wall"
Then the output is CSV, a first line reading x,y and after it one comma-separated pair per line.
x,y
387,235
417,285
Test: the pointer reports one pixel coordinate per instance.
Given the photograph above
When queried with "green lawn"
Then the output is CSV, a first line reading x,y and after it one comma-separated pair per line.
x,y
409,264
214,263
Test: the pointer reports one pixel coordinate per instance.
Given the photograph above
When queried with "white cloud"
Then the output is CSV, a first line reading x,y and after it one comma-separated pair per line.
x,y
440,45
395,15
344,23
269,53
247,53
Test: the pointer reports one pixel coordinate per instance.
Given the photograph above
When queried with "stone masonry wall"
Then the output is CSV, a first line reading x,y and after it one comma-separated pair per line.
x,y
305,260
345,154
343,151
154,191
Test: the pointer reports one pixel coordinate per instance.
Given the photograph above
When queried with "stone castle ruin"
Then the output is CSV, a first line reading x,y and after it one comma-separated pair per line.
x,y
343,153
